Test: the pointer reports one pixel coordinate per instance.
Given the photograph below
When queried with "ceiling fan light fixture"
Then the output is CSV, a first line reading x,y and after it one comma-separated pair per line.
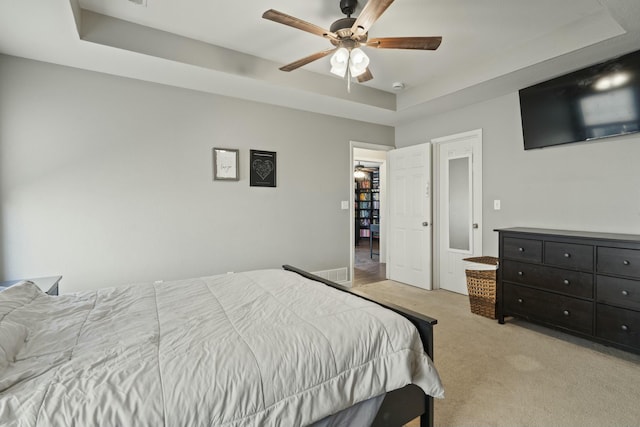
x,y
355,59
339,62
358,62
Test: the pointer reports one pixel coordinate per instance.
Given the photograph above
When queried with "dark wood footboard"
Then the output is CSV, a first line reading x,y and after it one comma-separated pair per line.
x,y
403,405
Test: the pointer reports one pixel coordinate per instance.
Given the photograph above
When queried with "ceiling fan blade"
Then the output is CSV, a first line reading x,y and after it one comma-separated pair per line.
x,y
366,76
304,61
422,43
370,14
292,21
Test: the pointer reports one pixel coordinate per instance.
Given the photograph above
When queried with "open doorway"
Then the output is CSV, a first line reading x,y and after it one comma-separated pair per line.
x,y
367,266
368,213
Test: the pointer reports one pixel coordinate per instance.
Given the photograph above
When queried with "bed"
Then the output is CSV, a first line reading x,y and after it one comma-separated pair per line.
x,y
261,348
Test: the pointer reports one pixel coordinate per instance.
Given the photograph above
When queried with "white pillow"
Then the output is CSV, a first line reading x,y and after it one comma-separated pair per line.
x,y
12,337
17,296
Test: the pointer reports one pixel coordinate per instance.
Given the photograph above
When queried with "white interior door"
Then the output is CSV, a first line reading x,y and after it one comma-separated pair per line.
x,y
459,206
409,229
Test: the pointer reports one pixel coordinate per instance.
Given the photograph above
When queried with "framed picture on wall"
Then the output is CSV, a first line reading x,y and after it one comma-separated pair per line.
x,y
262,168
225,164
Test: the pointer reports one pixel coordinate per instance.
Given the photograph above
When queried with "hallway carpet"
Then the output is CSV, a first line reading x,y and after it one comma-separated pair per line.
x,y
519,374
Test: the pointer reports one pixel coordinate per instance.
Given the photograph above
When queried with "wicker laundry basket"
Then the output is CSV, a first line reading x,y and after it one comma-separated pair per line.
x,y
481,284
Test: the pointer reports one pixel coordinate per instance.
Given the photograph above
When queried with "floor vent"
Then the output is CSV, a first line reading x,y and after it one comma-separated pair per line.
x,y
338,275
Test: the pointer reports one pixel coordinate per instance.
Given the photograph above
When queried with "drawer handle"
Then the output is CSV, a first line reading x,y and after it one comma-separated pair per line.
x,y
521,249
566,313
625,262
567,255
566,281
625,293
624,328
520,273
520,300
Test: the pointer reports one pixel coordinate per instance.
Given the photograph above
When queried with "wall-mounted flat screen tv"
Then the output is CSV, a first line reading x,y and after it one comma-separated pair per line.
x,y
596,102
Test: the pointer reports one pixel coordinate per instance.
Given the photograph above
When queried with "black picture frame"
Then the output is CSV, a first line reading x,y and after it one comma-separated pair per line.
x,y
262,168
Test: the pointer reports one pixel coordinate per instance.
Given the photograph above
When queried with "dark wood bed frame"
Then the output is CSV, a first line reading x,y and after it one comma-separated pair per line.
x,y
405,404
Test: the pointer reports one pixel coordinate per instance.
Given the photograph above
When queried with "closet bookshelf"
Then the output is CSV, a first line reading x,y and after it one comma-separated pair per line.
x,y
367,204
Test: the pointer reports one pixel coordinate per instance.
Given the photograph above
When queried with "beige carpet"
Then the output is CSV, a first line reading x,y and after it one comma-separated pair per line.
x,y
519,374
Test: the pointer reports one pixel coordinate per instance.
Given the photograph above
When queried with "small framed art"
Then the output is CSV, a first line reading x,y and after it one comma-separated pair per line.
x,y
225,164
263,168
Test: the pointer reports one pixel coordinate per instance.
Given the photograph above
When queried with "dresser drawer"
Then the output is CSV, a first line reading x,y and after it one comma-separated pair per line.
x,y
565,312
523,249
620,292
569,255
625,262
575,283
618,325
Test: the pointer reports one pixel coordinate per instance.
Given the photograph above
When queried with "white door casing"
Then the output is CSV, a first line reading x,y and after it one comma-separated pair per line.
x,y
409,228
459,201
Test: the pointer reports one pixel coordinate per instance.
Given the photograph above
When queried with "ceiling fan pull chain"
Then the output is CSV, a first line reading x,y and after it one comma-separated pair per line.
x,y
348,79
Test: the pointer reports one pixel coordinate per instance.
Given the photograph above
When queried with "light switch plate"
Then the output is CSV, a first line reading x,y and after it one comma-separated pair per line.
x,y
496,205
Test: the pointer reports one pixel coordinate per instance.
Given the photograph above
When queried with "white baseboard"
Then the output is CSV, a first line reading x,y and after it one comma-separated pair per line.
x,y
338,275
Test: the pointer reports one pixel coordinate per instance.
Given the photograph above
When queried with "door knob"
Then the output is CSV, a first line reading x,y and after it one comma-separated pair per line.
x,y
475,225
425,224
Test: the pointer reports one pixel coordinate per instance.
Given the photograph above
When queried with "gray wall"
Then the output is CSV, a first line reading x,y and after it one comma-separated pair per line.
x,y
591,186
107,180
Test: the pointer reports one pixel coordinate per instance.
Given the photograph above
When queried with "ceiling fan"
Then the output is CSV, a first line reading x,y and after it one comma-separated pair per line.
x,y
360,171
347,35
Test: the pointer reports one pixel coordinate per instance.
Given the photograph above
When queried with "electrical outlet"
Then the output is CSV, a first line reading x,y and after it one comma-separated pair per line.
x,y
344,204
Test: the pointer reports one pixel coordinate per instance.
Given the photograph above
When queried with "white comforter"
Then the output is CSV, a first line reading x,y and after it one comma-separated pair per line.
x,y
262,348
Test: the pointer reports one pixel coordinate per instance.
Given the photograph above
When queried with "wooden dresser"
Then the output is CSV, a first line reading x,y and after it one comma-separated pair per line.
x,y
584,283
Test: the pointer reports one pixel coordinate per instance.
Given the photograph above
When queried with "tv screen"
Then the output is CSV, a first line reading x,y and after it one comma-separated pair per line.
x,y
596,102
